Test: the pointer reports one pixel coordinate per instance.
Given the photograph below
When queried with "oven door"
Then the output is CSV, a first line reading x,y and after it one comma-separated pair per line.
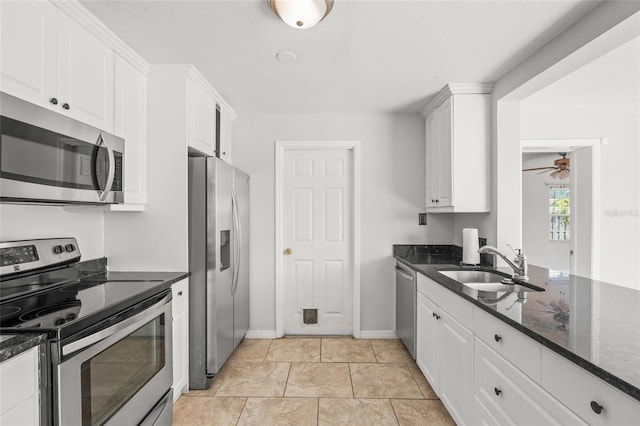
x,y
49,158
117,375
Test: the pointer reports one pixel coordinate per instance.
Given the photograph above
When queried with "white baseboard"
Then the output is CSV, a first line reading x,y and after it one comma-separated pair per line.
x,y
260,334
364,334
378,334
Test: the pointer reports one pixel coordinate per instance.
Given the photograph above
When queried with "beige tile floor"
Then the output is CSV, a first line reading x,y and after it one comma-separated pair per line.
x,y
311,381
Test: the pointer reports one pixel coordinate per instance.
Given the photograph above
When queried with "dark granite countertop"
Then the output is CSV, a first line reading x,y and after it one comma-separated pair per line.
x,y
15,344
591,323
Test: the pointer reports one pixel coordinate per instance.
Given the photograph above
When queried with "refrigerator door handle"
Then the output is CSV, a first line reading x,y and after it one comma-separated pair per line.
x,y
236,242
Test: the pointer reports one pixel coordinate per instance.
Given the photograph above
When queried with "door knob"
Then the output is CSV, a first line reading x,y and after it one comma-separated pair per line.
x,y
287,251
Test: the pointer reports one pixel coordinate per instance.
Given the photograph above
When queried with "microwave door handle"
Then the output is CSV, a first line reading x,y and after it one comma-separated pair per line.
x,y
112,170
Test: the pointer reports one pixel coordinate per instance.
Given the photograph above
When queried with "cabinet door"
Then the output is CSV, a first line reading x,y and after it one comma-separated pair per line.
x,y
130,123
225,135
180,337
456,369
28,40
444,138
431,160
202,119
19,389
85,75
427,339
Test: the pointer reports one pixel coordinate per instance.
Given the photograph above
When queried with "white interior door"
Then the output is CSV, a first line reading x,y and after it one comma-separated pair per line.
x,y
318,239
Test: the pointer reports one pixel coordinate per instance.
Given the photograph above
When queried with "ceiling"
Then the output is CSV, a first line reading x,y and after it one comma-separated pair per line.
x,y
366,56
612,79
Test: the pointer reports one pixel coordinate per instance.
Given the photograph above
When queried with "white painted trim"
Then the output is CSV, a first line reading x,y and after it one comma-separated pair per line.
x,y
280,148
378,334
261,334
456,89
554,145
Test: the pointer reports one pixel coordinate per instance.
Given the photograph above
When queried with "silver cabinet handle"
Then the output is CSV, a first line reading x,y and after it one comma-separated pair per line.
x,y
112,168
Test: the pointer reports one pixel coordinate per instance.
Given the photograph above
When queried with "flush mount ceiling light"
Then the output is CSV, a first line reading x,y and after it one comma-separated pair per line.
x,y
301,14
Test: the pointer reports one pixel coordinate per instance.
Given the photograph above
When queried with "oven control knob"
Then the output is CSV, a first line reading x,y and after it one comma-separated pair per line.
x,y
69,248
60,321
58,249
71,317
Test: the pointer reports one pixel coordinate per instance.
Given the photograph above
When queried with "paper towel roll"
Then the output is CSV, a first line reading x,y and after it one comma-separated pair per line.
x,y
470,255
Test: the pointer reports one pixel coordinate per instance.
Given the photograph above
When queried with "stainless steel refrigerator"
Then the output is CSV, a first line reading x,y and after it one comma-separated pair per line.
x,y
219,265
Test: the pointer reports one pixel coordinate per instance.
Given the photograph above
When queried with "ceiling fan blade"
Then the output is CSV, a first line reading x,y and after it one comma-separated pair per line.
x,y
540,168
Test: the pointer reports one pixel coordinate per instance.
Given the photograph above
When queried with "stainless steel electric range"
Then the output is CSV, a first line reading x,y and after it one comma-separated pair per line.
x,y
109,337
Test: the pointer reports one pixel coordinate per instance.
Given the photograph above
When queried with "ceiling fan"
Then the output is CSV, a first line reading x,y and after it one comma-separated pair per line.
x,y
559,170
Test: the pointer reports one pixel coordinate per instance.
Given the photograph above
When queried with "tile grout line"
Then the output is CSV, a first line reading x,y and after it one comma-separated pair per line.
x,y
353,392
318,411
286,383
394,411
242,411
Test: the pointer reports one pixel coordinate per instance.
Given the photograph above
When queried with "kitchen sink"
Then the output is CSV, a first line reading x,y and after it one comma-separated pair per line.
x,y
475,277
489,286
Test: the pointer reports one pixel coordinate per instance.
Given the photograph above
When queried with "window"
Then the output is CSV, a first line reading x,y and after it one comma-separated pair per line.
x,y
559,212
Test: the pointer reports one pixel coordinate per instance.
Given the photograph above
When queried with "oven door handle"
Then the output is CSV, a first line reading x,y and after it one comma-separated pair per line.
x,y
116,328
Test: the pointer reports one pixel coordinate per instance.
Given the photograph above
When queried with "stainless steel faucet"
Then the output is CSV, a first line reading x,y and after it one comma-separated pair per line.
x,y
519,264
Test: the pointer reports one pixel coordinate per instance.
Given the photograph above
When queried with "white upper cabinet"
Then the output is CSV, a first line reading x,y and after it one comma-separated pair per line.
x,y
202,118
85,75
457,132
130,123
29,67
226,123
57,63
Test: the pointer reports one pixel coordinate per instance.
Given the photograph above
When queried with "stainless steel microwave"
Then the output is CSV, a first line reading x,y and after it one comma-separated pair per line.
x,y
46,157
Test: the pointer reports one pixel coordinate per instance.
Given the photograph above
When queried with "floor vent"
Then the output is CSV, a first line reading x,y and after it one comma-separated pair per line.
x,y
309,316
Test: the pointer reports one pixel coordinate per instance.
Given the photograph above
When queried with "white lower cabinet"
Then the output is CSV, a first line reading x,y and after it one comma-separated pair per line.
x,y
427,340
589,397
512,397
19,389
455,368
444,353
496,375
180,293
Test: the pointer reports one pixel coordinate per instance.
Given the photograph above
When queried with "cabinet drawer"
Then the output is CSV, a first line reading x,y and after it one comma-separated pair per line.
x,y
19,379
456,306
484,417
506,392
519,349
180,291
577,389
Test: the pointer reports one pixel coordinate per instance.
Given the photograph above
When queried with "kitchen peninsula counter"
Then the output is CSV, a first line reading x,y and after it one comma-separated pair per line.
x,y
593,324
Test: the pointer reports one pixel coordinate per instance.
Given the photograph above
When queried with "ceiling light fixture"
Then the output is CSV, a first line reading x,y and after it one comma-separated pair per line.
x,y
301,14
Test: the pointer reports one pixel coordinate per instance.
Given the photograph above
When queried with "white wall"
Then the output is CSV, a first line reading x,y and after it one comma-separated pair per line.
x,y
20,222
618,248
157,239
536,244
392,158
597,33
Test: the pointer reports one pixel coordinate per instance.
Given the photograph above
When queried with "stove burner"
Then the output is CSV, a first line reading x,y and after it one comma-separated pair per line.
x,y
60,308
10,310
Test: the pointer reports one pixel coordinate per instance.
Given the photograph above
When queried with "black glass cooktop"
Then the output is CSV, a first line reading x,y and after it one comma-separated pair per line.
x,y
64,308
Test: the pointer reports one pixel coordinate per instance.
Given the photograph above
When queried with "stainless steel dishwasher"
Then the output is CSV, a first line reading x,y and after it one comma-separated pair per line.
x,y
406,306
